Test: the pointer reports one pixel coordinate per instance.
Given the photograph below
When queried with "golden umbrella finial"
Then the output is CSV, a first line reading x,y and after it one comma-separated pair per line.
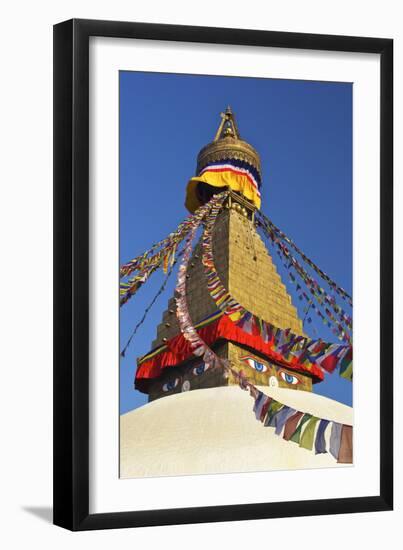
x,y
228,126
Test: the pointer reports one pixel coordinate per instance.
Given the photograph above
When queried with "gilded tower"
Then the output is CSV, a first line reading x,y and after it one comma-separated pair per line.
x,y
246,269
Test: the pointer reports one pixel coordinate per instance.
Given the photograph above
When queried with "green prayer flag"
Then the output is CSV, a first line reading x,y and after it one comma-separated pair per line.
x,y
307,437
346,366
297,434
347,372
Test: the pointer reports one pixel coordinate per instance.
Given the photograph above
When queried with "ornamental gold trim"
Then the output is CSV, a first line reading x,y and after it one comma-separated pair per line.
x,y
228,148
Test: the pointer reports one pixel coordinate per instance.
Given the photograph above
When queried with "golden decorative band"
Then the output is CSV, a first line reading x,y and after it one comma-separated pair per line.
x,y
228,148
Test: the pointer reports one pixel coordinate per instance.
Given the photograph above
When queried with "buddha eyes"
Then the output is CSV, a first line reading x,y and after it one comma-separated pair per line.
x,y
200,369
257,365
168,386
172,384
289,378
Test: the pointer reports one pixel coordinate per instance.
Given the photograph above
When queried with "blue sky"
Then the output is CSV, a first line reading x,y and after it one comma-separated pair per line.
x,y
303,133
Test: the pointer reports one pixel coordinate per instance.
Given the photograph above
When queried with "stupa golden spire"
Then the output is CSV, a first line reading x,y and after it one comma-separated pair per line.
x,y
227,162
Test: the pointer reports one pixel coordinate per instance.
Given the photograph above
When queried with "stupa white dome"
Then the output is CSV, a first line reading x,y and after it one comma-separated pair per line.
x,y
214,430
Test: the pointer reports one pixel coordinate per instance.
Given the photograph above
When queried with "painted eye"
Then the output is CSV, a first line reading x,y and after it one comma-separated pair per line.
x,y
168,386
260,367
289,378
257,365
200,369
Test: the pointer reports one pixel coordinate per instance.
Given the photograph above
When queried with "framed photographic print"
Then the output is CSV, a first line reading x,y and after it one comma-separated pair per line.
x,y
223,249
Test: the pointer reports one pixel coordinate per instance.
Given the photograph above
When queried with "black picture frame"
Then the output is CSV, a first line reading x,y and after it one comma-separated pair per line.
x,y
71,274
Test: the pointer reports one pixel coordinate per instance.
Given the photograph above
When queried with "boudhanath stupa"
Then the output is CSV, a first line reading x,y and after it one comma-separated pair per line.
x,y
198,420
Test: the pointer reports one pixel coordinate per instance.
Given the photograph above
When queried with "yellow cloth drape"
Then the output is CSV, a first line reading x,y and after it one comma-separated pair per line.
x,y
236,182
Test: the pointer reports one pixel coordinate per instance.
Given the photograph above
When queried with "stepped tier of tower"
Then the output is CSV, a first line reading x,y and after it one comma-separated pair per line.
x,y
245,268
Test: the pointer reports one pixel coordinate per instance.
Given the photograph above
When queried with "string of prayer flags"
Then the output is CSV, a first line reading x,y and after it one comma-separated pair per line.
x,y
336,326
266,223
198,346
339,326
128,289
304,429
158,250
344,322
337,329
146,311
148,262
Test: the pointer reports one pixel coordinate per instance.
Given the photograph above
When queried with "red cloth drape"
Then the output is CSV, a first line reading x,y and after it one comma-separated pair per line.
x,y
178,350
